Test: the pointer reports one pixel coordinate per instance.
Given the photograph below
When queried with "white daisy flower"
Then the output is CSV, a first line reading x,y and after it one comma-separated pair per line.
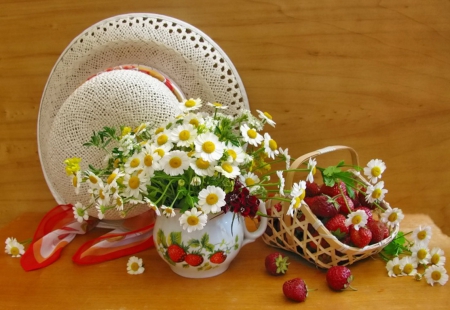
x,y
135,185
217,105
393,267
374,169
270,146
93,180
14,247
436,274
282,182
203,167
192,220
80,212
286,157
117,201
266,117
190,104
135,265
208,146
194,119
211,199
392,217
228,170
163,139
421,253
250,135
437,257
113,177
150,160
297,194
249,180
375,192
408,266
152,206
183,135
139,130
168,211
175,163
103,196
134,163
312,170
422,235
101,210
357,219
161,151
236,154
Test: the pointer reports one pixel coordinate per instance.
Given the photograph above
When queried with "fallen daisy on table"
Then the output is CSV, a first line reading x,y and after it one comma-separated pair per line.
x,y
135,265
14,247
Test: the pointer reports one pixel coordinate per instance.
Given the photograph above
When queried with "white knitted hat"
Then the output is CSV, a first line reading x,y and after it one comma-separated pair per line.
x,y
86,89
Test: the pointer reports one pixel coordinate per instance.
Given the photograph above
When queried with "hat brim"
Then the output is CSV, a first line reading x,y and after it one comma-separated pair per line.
x,y
179,50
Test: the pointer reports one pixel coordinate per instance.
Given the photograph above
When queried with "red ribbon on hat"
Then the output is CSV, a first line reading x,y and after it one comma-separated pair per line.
x,y
59,227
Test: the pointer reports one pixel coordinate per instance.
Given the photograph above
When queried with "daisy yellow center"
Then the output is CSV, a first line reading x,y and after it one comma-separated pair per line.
x,y
297,202
116,163
216,104
421,254
436,275
302,195
212,199
14,250
356,219
125,131
227,167
159,130
134,266
190,103
100,194
194,122
376,193
192,220
408,268
251,133
111,178
175,162
435,258
168,211
396,269
232,153
376,171
135,162
93,179
273,144
119,201
190,153
160,152
134,182
75,181
202,164
208,147
184,135
162,139
249,181
422,235
266,114
392,217
313,170
148,160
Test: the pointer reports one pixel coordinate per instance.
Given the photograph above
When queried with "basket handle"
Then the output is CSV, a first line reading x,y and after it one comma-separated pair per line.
x,y
300,160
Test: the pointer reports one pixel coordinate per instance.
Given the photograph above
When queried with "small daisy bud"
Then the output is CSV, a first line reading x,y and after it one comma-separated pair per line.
x,y
181,182
418,277
196,181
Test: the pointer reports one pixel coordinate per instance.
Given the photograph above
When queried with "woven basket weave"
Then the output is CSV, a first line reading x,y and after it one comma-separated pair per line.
x,y
295,233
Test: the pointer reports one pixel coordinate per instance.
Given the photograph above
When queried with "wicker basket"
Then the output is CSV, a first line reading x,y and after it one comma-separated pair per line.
x,y
296,233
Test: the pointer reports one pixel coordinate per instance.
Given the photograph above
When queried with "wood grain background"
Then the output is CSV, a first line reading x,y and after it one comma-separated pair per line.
x,y
373,75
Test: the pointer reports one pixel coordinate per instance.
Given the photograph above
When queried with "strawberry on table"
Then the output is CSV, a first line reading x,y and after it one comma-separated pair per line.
x,y
276,264
295,289
339,278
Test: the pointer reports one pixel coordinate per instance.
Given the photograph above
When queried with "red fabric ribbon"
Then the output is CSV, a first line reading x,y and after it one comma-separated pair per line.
x,y
59,227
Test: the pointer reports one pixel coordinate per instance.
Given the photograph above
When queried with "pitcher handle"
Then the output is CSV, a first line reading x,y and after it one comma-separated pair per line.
x,y
250,236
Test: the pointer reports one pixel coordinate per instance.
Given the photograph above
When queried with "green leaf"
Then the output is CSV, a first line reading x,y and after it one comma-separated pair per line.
x,y
161,238
205,240
209,247
194,243
331,171
175,237
396,246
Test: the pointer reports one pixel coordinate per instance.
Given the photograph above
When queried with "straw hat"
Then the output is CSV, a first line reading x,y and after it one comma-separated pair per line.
x,y
126,70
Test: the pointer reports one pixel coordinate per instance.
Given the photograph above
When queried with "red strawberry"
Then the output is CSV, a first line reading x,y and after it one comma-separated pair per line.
x,y
322,206
361,237
312,189
367,211
336,225
176,253
346,205
379,231
295,289
218,257
339,278
334,190
194,259
276,264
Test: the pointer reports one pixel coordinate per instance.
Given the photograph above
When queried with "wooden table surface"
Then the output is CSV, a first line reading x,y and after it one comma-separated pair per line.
x,y
245,285
373,75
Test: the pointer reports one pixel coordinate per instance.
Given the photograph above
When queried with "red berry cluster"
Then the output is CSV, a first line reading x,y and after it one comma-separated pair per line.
x,y
241,201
